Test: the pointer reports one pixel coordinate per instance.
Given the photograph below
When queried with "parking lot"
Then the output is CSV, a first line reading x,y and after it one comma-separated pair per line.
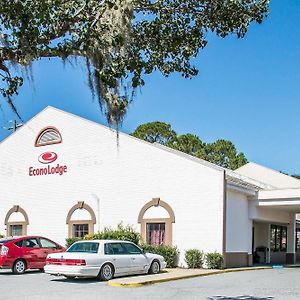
x,y
249,285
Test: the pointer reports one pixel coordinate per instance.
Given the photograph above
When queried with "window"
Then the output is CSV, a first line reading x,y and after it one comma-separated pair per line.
x,y
155,233
114,249
16,230
80,230
30,243
16,221
90,247
278,238
80,219
297,240
47,244
48,136
132,249
156,218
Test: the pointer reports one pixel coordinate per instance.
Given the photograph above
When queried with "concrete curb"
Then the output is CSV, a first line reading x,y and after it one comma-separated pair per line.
x,y
143,282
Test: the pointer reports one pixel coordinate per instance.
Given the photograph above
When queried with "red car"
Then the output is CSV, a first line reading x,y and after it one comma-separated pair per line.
x,y
26,252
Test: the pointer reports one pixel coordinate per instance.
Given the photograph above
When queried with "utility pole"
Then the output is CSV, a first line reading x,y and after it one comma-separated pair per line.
x,y
14,126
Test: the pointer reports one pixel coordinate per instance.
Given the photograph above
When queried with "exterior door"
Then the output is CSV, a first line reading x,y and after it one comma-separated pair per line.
x,y
139,263
47,247
32,253
119,257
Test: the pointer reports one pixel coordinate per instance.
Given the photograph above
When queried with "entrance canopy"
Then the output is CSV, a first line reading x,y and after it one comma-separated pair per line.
x,y
284,199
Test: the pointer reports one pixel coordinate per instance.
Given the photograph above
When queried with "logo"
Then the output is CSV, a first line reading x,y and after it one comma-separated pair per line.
x,y
47,157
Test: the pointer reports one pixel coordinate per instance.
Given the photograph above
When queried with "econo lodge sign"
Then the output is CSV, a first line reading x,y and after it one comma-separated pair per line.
x,y
48,158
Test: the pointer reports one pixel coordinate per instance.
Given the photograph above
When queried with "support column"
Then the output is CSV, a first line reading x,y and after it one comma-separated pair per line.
x,y
291,235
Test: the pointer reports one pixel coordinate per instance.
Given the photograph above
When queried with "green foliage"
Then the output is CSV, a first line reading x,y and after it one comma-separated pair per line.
x,y
121,41
71,241
214,260
194,258
190,144
170,253
221,152
156,132
224,154
125,233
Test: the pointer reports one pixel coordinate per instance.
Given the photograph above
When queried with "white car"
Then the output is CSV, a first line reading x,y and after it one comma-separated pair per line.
x,y
103,259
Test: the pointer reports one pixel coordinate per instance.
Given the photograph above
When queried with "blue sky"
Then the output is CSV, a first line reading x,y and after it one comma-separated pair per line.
x,y
247,91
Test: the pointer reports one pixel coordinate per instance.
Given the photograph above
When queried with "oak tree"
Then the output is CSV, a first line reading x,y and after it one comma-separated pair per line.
x,y
120,40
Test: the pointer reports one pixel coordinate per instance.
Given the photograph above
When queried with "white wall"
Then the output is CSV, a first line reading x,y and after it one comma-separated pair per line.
x,y
238,223
116,181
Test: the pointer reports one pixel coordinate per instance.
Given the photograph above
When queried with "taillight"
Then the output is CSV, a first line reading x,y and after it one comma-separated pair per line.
x,y
66,262
4,251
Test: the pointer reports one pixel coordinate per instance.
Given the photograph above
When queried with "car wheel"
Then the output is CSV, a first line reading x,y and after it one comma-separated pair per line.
x,y
19,266
154,268
41,269
107,272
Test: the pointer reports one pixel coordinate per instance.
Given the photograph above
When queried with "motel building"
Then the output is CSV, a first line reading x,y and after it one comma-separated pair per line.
x,y
64,176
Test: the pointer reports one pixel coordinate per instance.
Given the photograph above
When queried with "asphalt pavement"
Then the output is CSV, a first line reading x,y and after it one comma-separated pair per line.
x,y
271,284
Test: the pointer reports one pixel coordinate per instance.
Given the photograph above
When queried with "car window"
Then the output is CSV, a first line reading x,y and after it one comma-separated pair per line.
x,y
90,247
47,244
30,243
114,249
132,249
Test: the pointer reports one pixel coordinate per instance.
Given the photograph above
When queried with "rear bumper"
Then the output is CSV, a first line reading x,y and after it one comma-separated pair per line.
x,y
5,263
78,271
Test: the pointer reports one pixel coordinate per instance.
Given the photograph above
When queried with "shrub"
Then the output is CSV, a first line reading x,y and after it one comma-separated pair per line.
x,y
214,260
125,233
71,241
170,253
194,258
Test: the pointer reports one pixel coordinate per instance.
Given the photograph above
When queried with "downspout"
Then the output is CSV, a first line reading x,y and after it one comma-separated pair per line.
x,y
224,217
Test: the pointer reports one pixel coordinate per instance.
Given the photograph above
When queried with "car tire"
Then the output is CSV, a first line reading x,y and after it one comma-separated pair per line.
x,y
41,269
107,272
19,266
155,267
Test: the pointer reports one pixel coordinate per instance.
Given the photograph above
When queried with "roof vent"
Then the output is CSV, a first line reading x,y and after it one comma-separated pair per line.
x,y
48,136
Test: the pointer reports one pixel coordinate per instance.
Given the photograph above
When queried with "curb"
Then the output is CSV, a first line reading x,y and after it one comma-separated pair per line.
x,y
160,280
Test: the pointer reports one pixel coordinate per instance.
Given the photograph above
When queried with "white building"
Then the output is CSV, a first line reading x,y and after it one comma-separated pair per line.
x,y
63,176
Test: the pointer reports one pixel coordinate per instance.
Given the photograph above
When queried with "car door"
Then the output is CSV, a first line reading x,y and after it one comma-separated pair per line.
x,y
139,262
47,247
116,253
32,253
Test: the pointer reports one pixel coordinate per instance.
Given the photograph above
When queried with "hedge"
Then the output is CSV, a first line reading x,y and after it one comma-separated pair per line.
x,y
194,258
214,260
125,233
170,253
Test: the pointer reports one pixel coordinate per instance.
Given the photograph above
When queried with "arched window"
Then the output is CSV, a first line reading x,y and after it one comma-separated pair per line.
x,y
16,221
156,218
81,219
48,136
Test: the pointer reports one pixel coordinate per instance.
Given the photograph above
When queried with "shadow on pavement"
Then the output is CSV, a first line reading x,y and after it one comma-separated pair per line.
x,y
246,297
78,280
9,272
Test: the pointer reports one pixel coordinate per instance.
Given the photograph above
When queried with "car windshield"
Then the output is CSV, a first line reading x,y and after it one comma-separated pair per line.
x,y
90,247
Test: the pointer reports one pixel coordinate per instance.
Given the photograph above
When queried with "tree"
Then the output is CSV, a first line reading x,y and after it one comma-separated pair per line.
x,y
221,152
224,154
156,132
190,144
120,40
